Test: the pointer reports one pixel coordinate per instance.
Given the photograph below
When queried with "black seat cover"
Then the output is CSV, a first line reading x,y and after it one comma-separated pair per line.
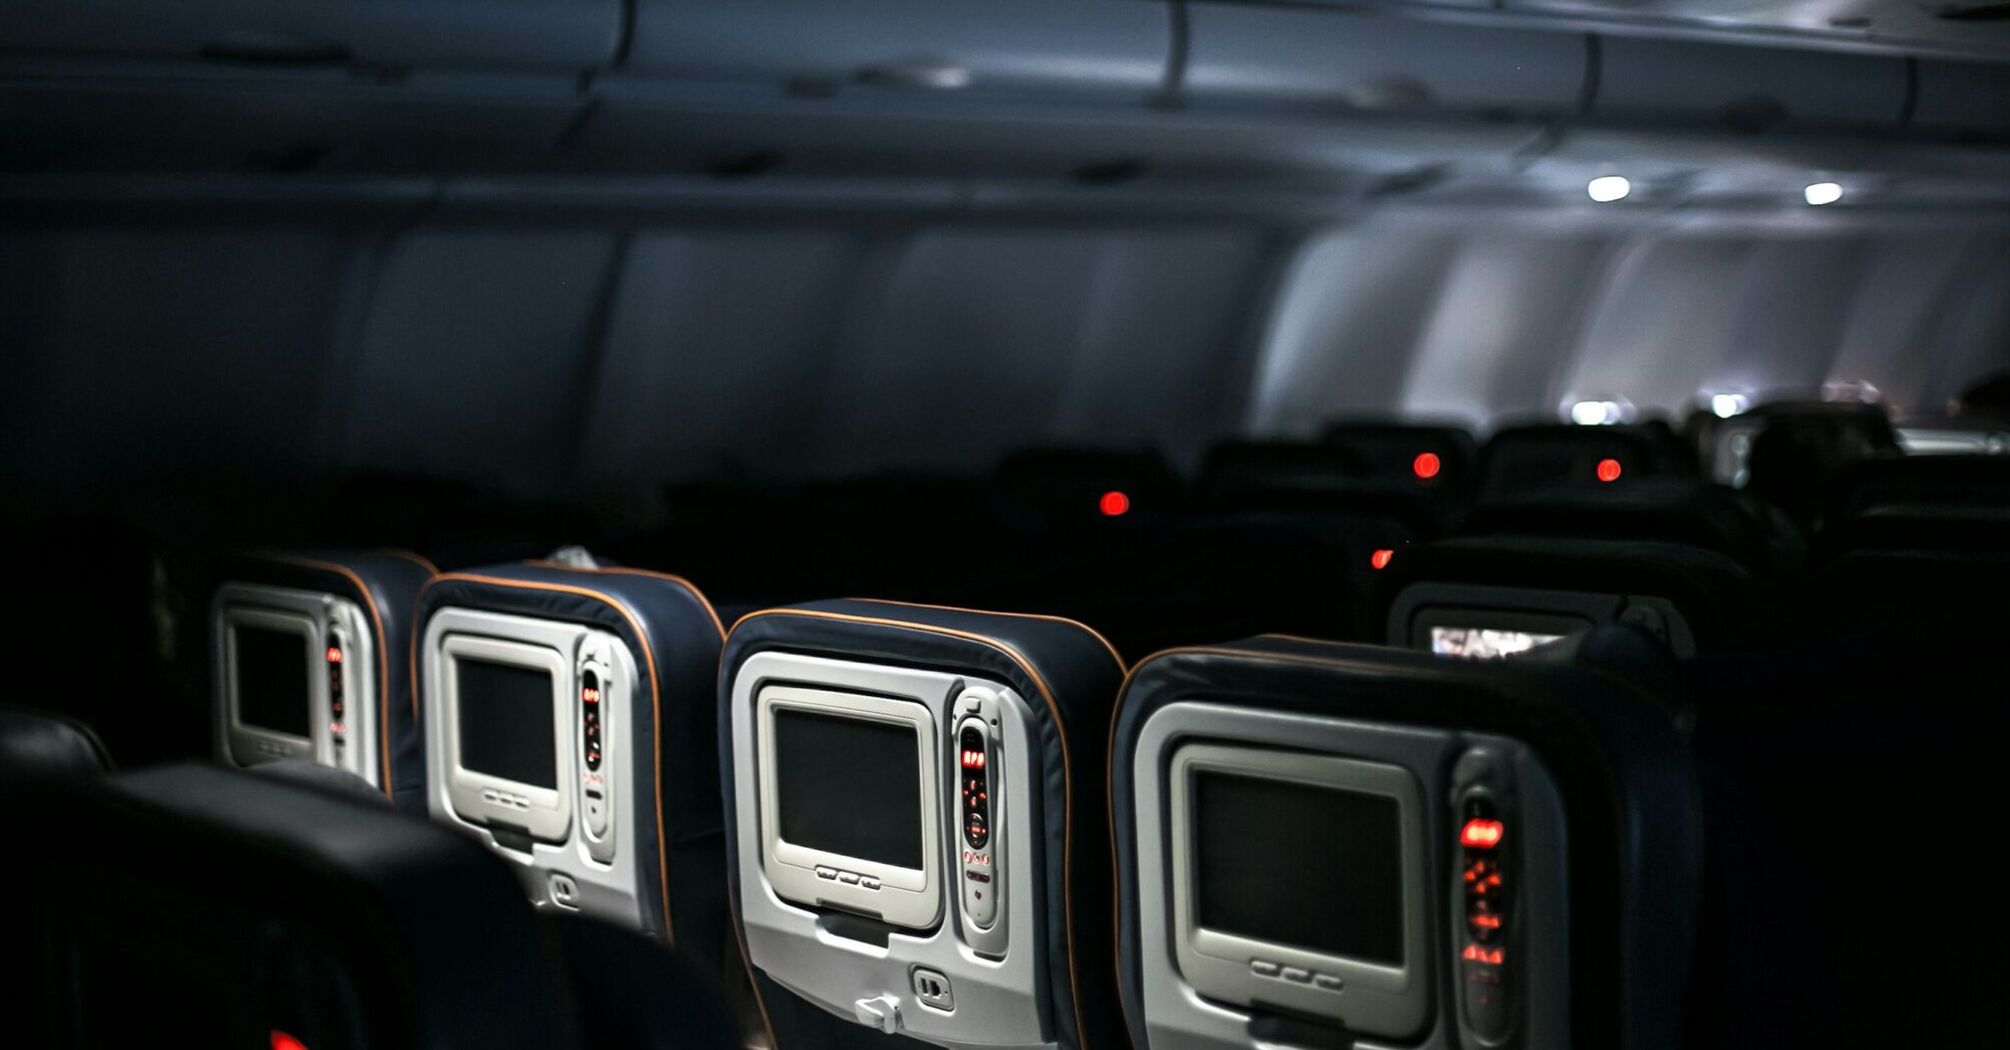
x,y
209,907
1541,456
42,753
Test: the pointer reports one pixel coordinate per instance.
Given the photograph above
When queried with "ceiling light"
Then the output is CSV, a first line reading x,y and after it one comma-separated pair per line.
x,y
1608,188
1819,193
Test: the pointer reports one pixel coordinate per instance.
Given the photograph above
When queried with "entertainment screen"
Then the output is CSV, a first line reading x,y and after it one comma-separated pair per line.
x,y
848,786
272,680
506,722
1477,643
1343,849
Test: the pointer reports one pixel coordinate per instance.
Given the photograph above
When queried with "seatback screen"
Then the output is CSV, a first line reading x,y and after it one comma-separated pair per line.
x,y
1480,643
505,715
848,786
1302,866
272,680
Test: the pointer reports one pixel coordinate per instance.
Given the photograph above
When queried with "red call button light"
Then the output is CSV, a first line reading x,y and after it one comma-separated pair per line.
x,y
1426,465
1480,833
334,655
1608,470
1114,504
283,1041
1475,953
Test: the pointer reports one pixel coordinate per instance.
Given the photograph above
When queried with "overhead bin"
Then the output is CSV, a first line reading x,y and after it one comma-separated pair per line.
x,y
1312,58
1746,88
157,116
1083,47
517,34
1963,96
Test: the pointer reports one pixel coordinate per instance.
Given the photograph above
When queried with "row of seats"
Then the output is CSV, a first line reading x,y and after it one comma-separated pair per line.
x,y
970,828
917,821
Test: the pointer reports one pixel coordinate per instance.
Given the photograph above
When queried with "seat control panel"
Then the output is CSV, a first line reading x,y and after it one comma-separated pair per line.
x,y
596,792
980,824
1485,923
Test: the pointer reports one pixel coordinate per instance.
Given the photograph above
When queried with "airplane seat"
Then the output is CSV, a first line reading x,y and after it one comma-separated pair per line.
x,y
629,993
1850,784
209,907
1800,452
307,659
1522,459
1434,458
314,775
1317,481
1079,488
1660,510
1487,596
1335,845
42,753
1934,503
568,721
916,825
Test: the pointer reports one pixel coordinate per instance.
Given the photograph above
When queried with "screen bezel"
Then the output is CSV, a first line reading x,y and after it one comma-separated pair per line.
x,y
249,743
488,800
907,897
1218,962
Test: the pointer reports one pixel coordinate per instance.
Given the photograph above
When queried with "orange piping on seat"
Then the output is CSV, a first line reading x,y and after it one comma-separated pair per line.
x,y
655,705
414,557
1093,633
622,570
1060,732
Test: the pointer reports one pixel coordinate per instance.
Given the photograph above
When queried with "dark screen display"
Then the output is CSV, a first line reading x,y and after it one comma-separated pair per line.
x,y
1297,865
272,680
848,786
506,722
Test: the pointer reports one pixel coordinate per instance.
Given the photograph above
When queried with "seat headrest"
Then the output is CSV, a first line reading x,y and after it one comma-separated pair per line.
x,y
1519,459
1067,486
1660,510
46,753
1394,451
242,905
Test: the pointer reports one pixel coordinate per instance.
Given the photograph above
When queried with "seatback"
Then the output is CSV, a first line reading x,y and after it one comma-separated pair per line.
x,y
306,655
1932,503
568,720
224,910
1490,595
915,824
1527,458
1435,458
46,754
1331,845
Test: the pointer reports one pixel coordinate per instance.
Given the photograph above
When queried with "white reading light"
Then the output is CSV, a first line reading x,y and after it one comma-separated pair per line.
x,y
1820,193
1727,405
1594,413
1608,188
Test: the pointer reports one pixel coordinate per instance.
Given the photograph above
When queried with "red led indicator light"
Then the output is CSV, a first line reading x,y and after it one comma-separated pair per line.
x,y
1114,504
1426,465
1608,470
334,655
1475,953
1480,833
1381,558
283,1041
973,760
591,696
